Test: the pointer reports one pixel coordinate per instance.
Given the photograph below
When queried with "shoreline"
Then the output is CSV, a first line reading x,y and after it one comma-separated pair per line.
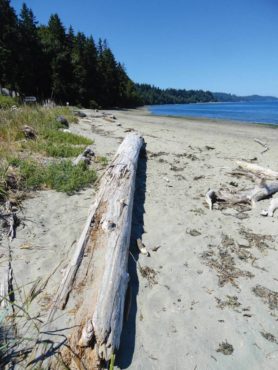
x,y
213,120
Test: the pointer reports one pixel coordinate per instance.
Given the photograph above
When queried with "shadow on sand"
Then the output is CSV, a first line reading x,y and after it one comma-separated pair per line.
x,y
126,350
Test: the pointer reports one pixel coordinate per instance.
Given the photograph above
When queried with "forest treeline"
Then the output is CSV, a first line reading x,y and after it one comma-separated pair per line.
x,y
155,95
50,61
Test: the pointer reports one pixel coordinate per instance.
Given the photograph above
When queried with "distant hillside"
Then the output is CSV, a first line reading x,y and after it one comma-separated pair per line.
x,y
151,95
224,97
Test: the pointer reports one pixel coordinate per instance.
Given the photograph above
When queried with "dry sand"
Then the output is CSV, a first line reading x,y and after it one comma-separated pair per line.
x,y
207,298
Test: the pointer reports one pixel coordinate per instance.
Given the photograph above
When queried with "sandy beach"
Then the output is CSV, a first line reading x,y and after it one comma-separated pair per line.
x,y
207,296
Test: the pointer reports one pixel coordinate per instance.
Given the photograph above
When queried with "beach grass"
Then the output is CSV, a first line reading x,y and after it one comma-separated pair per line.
x,y
61,176
42,161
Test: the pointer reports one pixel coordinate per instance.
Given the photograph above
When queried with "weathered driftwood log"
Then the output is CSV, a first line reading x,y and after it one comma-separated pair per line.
x,y
258,170
271,209
114,231
261,191
107,230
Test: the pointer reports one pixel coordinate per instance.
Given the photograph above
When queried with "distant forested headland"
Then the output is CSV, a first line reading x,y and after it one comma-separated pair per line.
x,y
153,95
224,97
50,61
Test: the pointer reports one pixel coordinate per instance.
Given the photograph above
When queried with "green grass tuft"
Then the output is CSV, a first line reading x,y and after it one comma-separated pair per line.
x,y
61,176
59,137
7,102
102,160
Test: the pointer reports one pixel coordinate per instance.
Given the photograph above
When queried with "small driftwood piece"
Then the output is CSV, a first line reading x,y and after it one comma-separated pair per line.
x,y
85,157
266,148
258,170
261,191
211,198
5,283
271,209
142,248
107,230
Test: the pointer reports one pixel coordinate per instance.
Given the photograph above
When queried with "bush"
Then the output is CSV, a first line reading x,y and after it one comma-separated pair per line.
x,y
6,102
94,105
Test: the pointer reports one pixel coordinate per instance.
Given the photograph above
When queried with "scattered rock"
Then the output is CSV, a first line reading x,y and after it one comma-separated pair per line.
x,y
29,132
193,232
233,183
196,178
209,147
80,114
63,121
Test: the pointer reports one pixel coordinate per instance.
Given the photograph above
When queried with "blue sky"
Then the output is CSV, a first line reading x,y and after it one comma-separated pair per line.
x,y
218,45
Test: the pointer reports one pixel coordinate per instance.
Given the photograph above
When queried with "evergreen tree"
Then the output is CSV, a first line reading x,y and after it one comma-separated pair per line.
x,y
54,41
92,80
49,62
30,54
109,83
8,45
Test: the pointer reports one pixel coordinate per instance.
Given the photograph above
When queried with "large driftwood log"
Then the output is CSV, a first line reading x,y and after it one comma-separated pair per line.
x,y
114,232
258,170
107,230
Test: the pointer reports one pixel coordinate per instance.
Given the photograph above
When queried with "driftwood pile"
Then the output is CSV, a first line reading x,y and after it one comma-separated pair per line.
x,y
263,189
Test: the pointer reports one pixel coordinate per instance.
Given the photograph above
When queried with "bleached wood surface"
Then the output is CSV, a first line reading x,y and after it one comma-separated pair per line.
x,y
107,229
258,170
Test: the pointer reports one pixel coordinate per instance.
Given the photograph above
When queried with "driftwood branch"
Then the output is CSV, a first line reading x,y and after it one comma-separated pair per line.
x,y
271,209
258,170
266,148
261,191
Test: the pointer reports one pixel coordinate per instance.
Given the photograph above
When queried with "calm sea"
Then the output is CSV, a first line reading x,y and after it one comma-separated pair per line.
x,y
262,112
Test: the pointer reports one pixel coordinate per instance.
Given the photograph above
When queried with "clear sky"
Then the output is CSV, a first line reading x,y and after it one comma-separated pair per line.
x,y
218,45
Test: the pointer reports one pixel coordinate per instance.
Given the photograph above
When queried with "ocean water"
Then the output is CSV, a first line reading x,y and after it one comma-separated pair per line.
x,y
256,112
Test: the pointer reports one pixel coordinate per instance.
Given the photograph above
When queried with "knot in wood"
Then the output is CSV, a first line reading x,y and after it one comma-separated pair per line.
x,y
108,225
